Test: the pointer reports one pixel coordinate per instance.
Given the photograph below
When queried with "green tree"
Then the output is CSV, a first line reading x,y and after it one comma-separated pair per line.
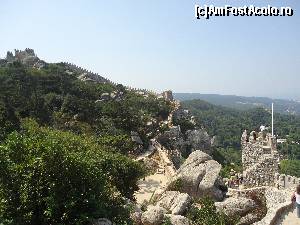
x,y
290,167
54,177
208,215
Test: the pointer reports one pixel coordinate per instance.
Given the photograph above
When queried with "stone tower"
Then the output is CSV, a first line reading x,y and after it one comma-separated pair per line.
x,y
259,158
168,95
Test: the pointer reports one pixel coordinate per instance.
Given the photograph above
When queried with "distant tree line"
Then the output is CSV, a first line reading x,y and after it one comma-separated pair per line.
x,y
228,124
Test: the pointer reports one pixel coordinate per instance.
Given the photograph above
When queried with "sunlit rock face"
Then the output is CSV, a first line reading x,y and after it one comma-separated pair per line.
x,y
200,176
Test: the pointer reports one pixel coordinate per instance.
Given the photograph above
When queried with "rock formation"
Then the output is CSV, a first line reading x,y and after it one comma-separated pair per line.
x,y
136,138
200,176
153,216
177,219
199,139
237,207
175,202
102,221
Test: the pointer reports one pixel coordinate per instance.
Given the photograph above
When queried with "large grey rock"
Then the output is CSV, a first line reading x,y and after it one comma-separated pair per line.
x,y
175,202
136,138
236,206
200,176
102,221
105,96
153,216
136,215
199,139
177,219
173,139
181,114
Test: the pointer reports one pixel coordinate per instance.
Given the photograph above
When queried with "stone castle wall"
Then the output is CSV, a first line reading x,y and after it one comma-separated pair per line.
x,y
260,159
283,181
90,76
261,173
29,57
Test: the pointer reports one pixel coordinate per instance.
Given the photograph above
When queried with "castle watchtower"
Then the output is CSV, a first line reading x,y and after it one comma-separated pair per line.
x,y
168,95
259,159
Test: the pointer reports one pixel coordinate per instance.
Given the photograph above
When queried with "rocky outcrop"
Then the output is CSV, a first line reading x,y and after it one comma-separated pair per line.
x,y
237,207
102,221
183,144
181,114
136,215
177,219
172,138
175,202
200,176
199,139
153,216
136,138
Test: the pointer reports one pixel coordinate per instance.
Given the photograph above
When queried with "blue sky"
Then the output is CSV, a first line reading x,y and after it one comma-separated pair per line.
x,y
159,44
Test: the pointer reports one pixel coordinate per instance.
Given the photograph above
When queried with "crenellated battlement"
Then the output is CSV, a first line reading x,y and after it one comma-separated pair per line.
x,y
89,76
283,181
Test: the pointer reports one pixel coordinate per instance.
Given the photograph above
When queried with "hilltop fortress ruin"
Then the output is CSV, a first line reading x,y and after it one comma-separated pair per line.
x,y
260,160
29,58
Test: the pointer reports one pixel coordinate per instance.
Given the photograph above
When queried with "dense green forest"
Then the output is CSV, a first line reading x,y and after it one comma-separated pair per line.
x,y
228,124
64,150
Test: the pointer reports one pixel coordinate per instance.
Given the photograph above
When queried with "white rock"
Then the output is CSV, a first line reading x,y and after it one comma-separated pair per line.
x,y
200,176
177,219
175,202
153,216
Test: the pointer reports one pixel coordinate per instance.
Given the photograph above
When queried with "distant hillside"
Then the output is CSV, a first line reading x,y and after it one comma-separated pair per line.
x,y
244,103
228,124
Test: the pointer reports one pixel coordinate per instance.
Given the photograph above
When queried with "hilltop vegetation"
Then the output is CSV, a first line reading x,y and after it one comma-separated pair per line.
x,y
56,98
228,124
65,145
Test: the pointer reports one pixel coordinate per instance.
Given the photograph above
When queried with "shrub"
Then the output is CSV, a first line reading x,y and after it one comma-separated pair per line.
x,y
55,177
207,214
290,167
167,221
176,185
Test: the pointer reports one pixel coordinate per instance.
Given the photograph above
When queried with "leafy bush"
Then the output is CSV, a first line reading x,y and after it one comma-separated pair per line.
x,y
54,177
225,171
167,221
176,185
184,124
8,120
290,167
207,214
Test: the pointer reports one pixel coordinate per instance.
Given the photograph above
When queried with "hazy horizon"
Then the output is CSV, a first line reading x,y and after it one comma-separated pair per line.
x,y
236,95
160,45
